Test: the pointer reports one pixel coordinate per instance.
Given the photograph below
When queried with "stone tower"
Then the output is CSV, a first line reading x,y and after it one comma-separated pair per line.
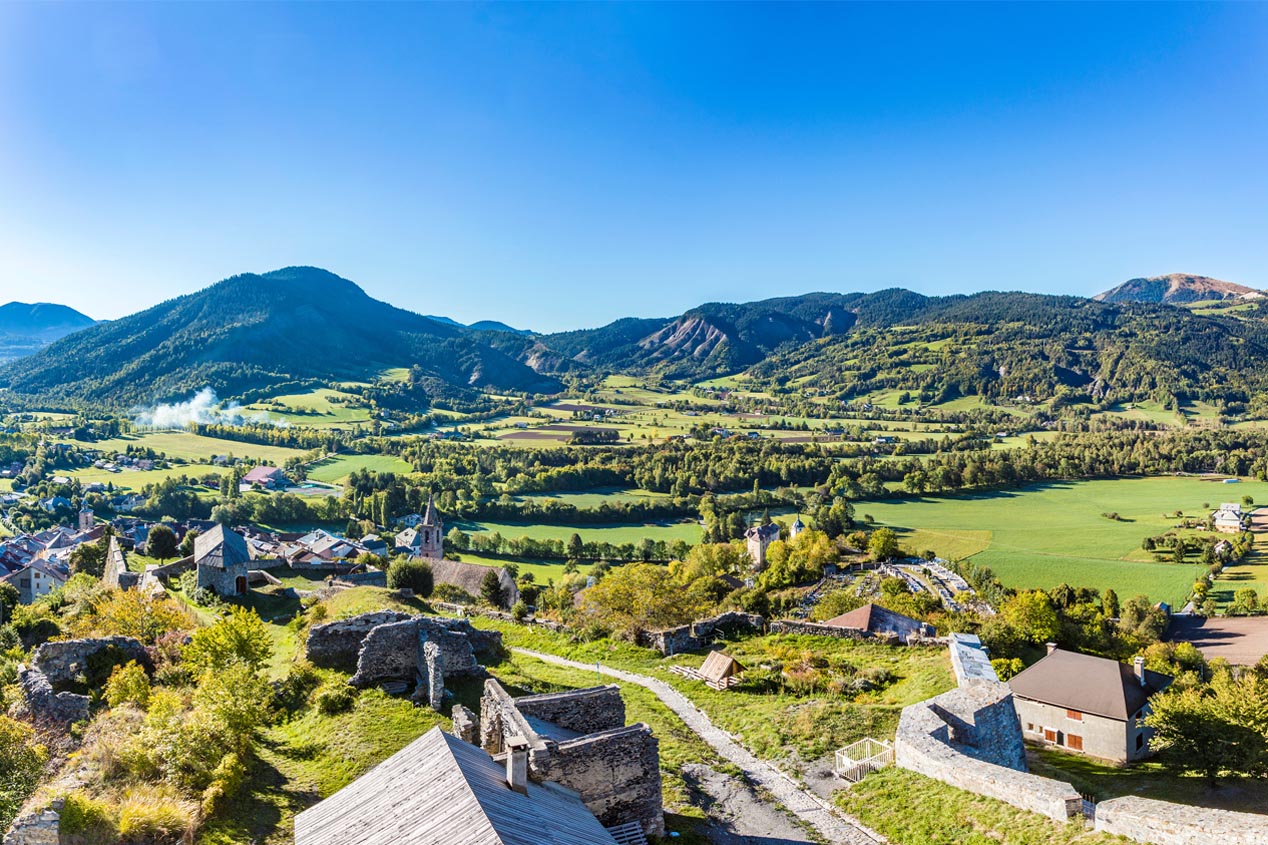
x,y
85,518
431,533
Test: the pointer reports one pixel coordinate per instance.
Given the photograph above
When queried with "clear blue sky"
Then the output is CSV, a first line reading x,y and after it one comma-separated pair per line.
x,y
561,166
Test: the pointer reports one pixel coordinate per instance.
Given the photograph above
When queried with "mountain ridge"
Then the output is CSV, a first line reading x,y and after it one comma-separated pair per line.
x,y
1177,289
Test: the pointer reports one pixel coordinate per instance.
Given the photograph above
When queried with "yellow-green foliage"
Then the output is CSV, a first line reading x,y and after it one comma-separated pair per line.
x,y
152,814
132,613
226,780
334,697
21,760
238,637
797,561
89,820
128,684
645,596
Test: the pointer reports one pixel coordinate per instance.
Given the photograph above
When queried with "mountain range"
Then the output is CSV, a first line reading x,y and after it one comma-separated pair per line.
x,y
252,333
25,327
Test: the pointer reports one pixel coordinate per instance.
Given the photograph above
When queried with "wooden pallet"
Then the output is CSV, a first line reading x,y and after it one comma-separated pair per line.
x,y
628,834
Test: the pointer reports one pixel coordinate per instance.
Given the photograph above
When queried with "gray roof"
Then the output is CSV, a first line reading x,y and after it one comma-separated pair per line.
x,y
439,790
221,548
1089,684
470,577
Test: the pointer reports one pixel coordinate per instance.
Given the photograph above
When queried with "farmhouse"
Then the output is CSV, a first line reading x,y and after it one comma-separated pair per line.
x,y
38,578
469,577
1228,518
1087,705
878,620
270,478
223,560
439,789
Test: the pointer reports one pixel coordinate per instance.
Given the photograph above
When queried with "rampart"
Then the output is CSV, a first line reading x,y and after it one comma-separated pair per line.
x,y
1164,823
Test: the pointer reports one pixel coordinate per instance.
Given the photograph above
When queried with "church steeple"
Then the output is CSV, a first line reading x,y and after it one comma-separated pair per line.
x,y
431,517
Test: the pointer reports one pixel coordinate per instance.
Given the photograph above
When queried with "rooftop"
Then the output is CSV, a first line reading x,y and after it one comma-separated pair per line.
x,y
1089,684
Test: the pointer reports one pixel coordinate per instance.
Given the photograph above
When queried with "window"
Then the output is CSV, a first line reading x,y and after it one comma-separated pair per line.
x,y
1140,741
1074,742
1030,728
1074,715
1049,735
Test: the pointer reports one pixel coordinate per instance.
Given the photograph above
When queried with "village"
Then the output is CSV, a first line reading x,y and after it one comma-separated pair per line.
x,y
568,766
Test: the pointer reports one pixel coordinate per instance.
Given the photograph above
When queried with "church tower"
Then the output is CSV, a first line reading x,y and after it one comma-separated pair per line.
x,y
431,532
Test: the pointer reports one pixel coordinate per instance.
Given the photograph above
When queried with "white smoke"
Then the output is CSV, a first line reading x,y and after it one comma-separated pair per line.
x,y
203,407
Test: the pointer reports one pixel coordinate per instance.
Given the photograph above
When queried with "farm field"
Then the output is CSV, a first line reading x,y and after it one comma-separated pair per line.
x,y
194,447
1044,535
313,408
594,498
543,571
137,479
334,470
688,531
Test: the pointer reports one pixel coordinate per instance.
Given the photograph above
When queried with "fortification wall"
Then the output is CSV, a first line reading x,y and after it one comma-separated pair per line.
x,y
584,711
793,626
970,738
702,632
64,661
1163,823
335,645
342,644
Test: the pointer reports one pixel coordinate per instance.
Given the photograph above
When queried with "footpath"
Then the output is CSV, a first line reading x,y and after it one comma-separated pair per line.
x,y
831,824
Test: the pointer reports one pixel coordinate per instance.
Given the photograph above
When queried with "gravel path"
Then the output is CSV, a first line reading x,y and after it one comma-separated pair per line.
x,y
831,824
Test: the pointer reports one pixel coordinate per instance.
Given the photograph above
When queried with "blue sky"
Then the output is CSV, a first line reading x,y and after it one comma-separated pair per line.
x,y
559,166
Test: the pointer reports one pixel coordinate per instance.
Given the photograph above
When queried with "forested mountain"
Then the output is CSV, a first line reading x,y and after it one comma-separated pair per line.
x,y
25,327
1177,289
252,331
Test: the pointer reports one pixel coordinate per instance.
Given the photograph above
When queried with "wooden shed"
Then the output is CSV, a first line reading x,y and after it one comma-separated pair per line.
x,y
720,671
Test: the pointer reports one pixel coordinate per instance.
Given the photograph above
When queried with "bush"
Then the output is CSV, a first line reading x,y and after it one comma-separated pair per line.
x,y
21,762
453,594
226,780
519,612
128,684
334,697
153,814
90,821
238,637
300,681
408,574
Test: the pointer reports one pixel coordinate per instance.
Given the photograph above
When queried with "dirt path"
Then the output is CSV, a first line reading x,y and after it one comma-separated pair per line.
x,y
737,815
830,824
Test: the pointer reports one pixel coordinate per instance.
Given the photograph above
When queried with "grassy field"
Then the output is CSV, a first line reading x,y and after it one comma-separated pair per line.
x,y
137,479
194,447
1044,535
336,469
619,533
594,498
916,810
543,571
314,409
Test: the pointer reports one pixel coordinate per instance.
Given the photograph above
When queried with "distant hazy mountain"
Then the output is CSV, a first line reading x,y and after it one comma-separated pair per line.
x,y
26,327
479,325
1177,289
253,331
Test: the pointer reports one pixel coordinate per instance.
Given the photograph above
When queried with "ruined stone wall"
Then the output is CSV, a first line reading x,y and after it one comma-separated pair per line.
x,y
584,710
702,632
63,662
793,626
1163,823
343,644
393,651
41,827
335,645
970,738
375,578
42,703
616,773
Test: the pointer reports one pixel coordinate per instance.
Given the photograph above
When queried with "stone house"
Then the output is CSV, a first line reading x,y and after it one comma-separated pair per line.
x,y
469,577
38,578
879,621
223,561
1087,705
757,539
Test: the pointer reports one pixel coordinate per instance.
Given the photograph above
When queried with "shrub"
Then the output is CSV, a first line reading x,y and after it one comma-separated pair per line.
x,y
300,681
128,684
408,574
90,821
453,594
519,612
21,762
238,637
226,780
334,697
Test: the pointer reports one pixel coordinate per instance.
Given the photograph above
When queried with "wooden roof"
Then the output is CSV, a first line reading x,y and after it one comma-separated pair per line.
x,y
718,666
439,790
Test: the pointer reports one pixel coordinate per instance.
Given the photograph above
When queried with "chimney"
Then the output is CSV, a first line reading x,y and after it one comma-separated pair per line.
x,y
1139,666
517,764
1051,647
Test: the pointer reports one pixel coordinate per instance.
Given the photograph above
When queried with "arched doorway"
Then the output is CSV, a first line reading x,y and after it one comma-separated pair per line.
x,y
241,585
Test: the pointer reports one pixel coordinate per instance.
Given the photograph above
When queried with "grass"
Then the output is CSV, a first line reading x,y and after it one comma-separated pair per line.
x,y
137,479
195,447
358,600
916,810
334,470
1047,534
315,409
1149,780
594,498
772,723
309,758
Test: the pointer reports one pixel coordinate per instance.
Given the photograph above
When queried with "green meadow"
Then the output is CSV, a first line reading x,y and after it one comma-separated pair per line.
x,y
688,531
194,447
1048,534
336,469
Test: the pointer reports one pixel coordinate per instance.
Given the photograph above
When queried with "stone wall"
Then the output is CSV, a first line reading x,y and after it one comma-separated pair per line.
x,y
970,738
702,632
793,626
43,704
393,651
335,645
339,644
38,828
1162,823
65,661
584,711
616,773
465,725
373,578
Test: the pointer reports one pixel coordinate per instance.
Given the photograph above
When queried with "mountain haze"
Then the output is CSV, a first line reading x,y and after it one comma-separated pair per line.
x,y
25,327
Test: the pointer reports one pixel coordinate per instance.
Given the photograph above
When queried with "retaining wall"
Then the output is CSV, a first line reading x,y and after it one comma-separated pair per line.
x,y
793,626
701,633
1164,823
